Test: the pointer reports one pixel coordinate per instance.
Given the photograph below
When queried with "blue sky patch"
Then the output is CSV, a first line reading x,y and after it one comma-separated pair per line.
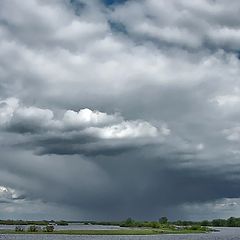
x,y
111,2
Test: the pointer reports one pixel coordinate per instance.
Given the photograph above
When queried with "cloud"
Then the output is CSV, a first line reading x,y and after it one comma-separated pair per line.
x,y
202,24
228,207
87,117
111,109
7,109
24,119
134,129
82,132
9,195
232,134
227,100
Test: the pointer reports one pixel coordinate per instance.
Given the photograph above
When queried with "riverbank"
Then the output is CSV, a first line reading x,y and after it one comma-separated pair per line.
x,y
110,232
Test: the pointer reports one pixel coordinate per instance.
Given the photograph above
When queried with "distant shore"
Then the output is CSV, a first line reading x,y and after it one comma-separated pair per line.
x,y
127,227
110,232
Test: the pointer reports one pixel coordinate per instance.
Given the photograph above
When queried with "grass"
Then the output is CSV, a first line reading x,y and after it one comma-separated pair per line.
x,y
110,232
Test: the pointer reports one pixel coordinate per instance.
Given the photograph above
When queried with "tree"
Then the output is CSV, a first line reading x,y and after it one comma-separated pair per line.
x,y
219,222
205,223
19,229
163,220
49,228
129,221
231,222
34,228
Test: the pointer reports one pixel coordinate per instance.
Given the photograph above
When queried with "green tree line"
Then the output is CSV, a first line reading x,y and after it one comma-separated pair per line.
x,y
230,222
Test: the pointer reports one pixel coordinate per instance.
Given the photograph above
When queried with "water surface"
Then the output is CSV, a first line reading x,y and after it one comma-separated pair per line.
x,y
224,234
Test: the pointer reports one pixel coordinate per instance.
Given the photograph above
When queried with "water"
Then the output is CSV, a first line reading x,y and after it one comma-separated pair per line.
x,y
224,234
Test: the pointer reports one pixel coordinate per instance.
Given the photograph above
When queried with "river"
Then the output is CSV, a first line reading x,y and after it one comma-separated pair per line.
x,y
223,234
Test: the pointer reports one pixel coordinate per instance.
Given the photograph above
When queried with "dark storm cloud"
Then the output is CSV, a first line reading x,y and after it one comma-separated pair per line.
x,y
118,108
107,189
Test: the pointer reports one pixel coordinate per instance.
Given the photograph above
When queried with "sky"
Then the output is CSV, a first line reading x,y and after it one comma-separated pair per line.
x,y
116,109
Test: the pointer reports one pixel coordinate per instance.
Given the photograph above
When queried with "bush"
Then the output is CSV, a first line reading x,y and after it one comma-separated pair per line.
x,y
194,227
128,223
154,225
49,228
62,223
19,229
34,228
197,227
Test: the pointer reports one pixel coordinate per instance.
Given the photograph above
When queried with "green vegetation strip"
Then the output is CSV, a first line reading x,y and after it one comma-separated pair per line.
x,y
108,232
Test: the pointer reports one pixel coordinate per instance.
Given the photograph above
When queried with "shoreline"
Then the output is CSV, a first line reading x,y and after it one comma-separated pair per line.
x,y
108,232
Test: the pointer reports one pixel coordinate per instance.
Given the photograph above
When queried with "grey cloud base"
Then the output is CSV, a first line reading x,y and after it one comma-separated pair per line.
x,y
111,111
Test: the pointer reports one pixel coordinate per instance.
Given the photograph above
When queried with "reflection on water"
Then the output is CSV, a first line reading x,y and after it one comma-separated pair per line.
x,y
224,234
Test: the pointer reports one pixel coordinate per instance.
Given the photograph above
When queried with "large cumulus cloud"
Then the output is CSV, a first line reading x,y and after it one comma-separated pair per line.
x,y
84,132
118,108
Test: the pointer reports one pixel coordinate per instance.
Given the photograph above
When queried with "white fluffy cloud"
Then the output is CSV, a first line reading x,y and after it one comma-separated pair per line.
x,y
7,108
13,114
74,128
86,117
182,23
126,129
90,69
